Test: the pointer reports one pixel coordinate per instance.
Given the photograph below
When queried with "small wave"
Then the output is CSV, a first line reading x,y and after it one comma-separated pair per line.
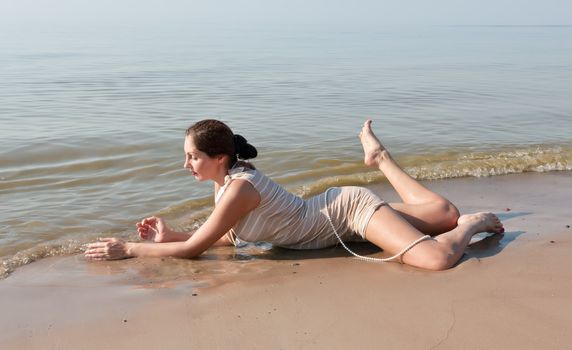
x,y
8,265
449,165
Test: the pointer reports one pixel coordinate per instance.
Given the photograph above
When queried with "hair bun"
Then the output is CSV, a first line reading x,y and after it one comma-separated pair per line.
x,y
243,149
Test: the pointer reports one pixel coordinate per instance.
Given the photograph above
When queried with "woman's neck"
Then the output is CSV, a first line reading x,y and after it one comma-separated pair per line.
x,y
221,177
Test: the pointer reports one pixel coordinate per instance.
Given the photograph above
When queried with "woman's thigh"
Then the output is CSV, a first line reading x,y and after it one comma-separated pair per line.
x,y
392,232
430,218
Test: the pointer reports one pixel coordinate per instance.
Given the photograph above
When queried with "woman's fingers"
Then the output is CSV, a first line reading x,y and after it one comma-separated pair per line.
x,y
142,230
146,232
107,248
149,221
96,252
97,249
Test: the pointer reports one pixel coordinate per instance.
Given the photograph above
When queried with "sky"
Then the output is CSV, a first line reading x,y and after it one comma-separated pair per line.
x,y
332,13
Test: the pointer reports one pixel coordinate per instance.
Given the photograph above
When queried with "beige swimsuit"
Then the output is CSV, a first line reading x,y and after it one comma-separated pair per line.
x,y
288,221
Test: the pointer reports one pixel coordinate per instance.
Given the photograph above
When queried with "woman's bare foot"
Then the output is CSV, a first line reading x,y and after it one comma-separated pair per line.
x,y
374,152
483,222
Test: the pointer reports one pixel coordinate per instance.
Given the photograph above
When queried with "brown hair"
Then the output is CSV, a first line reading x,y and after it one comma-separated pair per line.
x,y
214,137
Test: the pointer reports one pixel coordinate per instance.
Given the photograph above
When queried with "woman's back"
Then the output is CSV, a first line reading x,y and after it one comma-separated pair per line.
x,y
289,221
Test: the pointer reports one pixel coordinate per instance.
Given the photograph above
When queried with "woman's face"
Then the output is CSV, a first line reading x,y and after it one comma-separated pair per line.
x,y
199,163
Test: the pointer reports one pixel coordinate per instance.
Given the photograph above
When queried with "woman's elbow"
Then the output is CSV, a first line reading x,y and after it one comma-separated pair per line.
x,y
189,252
186,254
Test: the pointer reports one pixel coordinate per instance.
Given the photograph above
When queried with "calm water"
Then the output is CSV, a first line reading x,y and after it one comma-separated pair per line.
x,y
92,120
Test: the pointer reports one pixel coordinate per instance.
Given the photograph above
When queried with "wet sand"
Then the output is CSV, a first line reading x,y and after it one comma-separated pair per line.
x,y
510,291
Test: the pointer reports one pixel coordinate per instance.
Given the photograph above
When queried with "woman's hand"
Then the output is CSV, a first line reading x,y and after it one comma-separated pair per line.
x,y
153,229
107,249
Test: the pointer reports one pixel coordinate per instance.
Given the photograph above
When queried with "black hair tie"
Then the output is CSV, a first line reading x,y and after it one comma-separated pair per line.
x,y
239,145
243,149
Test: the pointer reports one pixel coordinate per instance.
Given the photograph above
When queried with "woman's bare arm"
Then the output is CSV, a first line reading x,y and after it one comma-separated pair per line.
x,y
239,198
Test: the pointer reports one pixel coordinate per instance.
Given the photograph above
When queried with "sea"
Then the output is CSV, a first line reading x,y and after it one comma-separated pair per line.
x,y
92,119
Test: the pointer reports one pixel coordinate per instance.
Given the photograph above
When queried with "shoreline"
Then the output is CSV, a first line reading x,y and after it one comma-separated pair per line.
x,y
507,291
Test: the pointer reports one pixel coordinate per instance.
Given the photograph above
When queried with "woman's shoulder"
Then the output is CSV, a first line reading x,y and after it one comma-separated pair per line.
x,y
258,179
241,189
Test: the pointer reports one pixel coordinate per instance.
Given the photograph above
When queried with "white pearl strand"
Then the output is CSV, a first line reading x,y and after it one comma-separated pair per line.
x,y
397,256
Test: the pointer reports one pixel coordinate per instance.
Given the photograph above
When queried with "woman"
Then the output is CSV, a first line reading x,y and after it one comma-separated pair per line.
x,y
425,230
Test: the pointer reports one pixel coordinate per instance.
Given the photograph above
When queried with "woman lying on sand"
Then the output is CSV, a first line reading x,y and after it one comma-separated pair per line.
x,y
425,230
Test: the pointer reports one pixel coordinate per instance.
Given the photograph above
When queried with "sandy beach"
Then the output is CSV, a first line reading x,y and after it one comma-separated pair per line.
x,y
508,292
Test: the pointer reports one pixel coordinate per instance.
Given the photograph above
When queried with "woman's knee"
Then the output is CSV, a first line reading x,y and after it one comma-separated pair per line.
x,y
439,261
430,258
450,213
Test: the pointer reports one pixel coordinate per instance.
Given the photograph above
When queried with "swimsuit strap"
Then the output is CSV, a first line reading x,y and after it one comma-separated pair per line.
x,y
228,179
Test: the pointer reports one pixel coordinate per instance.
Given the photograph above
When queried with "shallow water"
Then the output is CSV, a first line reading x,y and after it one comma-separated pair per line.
x,y
92,120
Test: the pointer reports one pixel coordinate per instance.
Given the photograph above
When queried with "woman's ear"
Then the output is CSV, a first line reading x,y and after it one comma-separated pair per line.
x,y
222,159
